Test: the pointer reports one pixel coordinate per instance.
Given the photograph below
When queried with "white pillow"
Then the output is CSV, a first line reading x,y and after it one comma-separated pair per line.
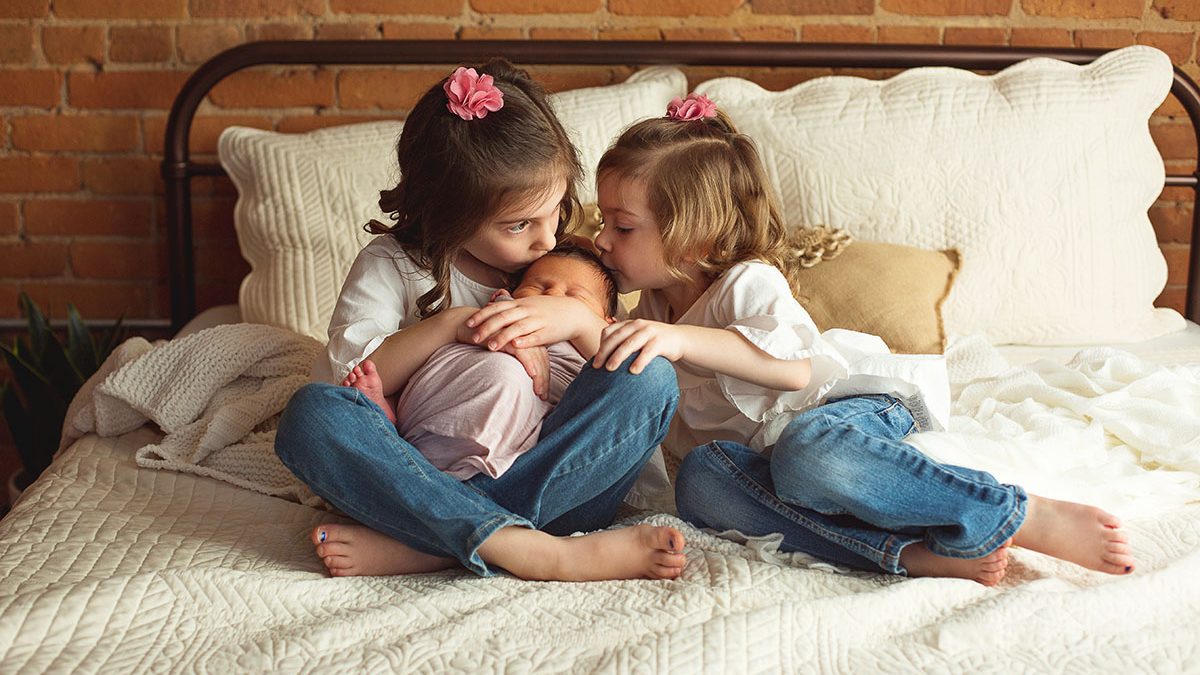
x,y
303,198
1039,175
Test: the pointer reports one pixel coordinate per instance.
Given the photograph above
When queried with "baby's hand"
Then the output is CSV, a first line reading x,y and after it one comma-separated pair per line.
x,y
619,340
536,361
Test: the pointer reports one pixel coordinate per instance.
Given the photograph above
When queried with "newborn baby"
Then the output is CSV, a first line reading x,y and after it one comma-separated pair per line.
x,y
470,410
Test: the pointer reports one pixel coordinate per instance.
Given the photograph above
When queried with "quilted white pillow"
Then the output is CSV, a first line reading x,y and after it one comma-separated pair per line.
x,y
1039,175
303,198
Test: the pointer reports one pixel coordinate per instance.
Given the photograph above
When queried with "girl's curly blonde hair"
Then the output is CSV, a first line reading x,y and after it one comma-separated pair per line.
x,y
709,194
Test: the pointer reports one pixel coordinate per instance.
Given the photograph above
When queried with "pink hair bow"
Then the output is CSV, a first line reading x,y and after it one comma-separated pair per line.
x,y
472,95
694,107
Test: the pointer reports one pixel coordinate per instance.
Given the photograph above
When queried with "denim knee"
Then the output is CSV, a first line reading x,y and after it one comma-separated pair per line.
x,y
697,485
306,404
806,459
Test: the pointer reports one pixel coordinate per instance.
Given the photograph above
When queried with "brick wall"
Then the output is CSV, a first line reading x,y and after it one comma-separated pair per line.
x,y
85,86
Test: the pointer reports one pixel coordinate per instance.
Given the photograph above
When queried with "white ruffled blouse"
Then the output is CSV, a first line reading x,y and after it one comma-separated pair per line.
x,y
753,299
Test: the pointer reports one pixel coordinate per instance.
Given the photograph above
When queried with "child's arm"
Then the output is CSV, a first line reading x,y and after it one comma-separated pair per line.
x,y
402,353
537,321
715,349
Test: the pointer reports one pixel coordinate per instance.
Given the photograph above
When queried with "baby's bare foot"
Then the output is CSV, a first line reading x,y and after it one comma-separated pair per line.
x,y
637,552
359,551
1084,535
365,378
988,570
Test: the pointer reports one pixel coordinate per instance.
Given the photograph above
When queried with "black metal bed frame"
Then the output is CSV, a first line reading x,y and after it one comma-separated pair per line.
x,y
178,169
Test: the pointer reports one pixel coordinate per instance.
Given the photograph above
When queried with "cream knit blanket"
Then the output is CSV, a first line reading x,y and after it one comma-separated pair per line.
x,y
216,396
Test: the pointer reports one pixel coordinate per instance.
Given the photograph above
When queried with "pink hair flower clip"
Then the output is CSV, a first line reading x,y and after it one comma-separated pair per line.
x,y
693,107
472,95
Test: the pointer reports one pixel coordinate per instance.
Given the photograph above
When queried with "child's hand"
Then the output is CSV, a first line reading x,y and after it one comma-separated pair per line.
x,y
653,338
529,322
536,361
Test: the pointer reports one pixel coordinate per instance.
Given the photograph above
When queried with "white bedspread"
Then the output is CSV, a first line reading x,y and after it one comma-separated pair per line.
x,y
105,565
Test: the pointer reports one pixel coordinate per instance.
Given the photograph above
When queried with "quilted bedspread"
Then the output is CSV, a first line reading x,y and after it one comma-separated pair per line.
x,y
106,565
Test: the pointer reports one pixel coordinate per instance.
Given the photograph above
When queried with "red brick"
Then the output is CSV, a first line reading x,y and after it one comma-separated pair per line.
x,y
1177,262
124,89
535,6
301,124
644,33
1173,297
114,260
16,43
10,219
105,217
1085,9
9,309
204,132
39,174
698,33
274,88
197,44
1178,10
215,294
805,7
1170,109
267,9
213,186
1041,37
562,79
27,260
1174,141
348,31
220,261
93,300
490,33
73,44
1178,46
910,35
99,133
1172,222
1177,194
674,7
963,35
390,88
279,31
767,34
24,9
418,31
561,33
120,9
948,7
404,7
122,176
30,88
819,32
212,219
1103,39
140,44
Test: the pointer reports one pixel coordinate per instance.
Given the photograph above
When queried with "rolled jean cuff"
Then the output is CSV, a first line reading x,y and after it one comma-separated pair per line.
x,y
889,561
472,560
1003,533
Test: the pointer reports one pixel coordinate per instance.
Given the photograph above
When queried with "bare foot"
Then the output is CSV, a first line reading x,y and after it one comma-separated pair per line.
x,y
359,551
988,570
365,378
637,552
1084,535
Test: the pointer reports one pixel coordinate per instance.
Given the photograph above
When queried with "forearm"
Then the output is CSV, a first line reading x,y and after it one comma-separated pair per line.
x,y
727,352
402,353
587,339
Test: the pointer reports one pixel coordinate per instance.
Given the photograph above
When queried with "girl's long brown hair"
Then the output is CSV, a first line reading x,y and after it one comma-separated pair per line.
x,y
455,174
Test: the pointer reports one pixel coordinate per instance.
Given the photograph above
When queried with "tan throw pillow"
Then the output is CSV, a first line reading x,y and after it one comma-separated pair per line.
x,y
889,290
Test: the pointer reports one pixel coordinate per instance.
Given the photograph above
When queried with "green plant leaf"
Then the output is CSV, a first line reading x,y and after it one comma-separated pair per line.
x,y
81,348
39,327
109,340
20,425
32,383
64,377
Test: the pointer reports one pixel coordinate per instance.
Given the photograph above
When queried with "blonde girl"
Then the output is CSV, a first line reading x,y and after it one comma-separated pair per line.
x,y
794,431
487,181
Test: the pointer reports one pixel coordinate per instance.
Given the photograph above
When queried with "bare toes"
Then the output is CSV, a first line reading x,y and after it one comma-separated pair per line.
x,y
368,367
666,571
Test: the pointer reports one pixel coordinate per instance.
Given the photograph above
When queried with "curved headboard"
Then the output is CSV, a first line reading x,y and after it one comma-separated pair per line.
x,y
178,168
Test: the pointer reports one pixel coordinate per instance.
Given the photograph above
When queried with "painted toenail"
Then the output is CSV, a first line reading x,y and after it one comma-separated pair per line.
x,y
1129,568
322,536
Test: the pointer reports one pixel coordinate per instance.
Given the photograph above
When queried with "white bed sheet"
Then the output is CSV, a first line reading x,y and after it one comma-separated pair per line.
x,y
1181,347
106,566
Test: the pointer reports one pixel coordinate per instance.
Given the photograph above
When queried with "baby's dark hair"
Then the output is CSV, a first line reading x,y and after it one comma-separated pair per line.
x,y
456,173
569,249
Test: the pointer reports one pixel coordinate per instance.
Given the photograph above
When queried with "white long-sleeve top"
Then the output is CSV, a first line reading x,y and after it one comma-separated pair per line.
x,y
379,298
753,299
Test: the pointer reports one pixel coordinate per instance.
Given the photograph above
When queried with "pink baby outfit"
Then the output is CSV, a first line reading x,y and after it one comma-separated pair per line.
x,y
470,410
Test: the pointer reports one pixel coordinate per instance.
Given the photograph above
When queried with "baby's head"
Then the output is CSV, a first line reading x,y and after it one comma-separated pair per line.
x,y
573,271
704,186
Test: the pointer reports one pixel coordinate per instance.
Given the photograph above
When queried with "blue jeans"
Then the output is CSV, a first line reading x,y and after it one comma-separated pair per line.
x,y
591,449
842,485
